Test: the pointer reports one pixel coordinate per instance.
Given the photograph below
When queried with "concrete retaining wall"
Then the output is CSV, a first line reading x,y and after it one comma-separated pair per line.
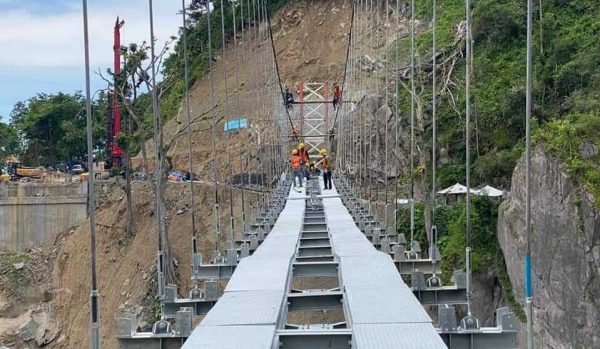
x,y
33,214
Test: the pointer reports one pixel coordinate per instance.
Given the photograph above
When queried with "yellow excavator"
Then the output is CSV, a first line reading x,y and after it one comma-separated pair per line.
x,y
18,170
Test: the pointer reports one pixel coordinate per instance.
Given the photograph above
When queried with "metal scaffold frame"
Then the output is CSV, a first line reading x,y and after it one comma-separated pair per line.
x,y
314,120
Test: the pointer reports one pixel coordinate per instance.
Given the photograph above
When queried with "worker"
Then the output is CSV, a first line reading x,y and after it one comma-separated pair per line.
x,y
337,96
326,168
296,163
295,133
288,98
304,156
307,170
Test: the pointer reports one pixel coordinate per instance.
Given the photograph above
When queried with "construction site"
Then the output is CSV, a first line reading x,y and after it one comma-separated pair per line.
x,y
301,190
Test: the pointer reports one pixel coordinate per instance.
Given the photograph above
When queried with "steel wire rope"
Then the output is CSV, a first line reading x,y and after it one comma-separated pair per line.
x,y
226,112
158,172
468,153
397,108
433,240
346,65
385,162
277,68
216,213
344,79
237,77
189,130
369,156
528,110
94,306
412,122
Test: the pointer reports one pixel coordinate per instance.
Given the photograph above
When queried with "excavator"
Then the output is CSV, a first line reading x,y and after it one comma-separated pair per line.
x,y
18,170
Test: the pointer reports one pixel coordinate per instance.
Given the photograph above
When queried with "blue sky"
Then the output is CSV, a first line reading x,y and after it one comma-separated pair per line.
x,y
42,42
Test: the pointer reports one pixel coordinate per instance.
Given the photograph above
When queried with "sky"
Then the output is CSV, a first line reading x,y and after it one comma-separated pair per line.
x,y
41,42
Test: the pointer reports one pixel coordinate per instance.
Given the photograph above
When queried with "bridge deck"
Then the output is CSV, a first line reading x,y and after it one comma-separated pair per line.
x,y
380,310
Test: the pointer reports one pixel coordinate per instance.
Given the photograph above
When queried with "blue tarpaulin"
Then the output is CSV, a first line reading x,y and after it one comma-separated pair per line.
x,y
234,125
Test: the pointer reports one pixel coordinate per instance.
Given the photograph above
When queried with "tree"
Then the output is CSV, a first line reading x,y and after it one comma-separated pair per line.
x,y
52,127
9,141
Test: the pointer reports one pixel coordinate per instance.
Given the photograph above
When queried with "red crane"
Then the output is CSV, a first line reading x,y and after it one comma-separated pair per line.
x,y
117,152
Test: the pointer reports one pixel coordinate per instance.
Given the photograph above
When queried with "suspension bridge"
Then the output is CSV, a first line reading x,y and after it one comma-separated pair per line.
x,y
319,268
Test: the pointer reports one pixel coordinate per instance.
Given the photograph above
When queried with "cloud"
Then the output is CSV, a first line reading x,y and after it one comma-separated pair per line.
x,y
53,39
42,42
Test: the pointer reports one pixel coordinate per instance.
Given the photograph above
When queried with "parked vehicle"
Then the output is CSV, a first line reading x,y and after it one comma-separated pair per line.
x,y
77,169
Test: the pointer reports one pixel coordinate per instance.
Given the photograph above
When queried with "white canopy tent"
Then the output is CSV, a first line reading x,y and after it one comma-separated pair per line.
x,y
488,190
456,189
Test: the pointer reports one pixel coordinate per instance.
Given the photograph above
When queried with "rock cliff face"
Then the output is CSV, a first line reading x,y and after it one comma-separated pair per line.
x,y
565,253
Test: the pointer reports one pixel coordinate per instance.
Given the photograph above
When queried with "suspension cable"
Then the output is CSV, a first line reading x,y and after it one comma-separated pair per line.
x,y
412,121
226,112
277,68
433,240
158,162
94,306
216,212
528,107
346,65
468,153
189,128
237,79
385,161
397,100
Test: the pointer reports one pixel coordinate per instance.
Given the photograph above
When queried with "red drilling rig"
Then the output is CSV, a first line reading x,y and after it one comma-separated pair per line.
x,y
114,152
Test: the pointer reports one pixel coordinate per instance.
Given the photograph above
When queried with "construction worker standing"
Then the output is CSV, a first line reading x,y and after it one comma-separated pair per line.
x,y
305,159
337,97
326,168
296,163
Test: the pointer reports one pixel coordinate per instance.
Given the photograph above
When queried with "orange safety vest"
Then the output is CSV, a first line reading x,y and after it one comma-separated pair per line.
x,y
325,164
296,162
304,154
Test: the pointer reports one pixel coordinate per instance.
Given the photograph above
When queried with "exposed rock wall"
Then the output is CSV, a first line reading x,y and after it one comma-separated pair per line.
x,y
565,253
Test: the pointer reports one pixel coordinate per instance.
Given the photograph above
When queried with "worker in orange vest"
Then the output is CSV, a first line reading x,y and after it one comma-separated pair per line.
x,y
295,133
296,163
326,168
337,96
305,158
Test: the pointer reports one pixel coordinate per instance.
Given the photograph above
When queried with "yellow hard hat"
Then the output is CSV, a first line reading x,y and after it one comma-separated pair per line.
x,y
301,145
294,151
323,151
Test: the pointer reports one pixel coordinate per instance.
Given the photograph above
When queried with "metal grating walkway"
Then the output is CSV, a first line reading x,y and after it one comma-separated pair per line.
x,y
383,311
380,310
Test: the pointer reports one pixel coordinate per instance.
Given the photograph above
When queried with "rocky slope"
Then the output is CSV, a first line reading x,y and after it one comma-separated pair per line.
x,y
565,253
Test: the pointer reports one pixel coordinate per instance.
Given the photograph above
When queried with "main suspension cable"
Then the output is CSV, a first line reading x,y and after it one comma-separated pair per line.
x,y
277,68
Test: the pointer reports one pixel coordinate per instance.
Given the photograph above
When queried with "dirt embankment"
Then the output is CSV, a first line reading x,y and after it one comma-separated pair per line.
x,y
310,40
126,265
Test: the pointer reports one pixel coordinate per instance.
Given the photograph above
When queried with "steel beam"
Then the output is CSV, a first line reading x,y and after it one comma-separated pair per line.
x,y
314,251
406,267
145,340
441,295
321,300
214,272
315,339
481,340
304,269
314,242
